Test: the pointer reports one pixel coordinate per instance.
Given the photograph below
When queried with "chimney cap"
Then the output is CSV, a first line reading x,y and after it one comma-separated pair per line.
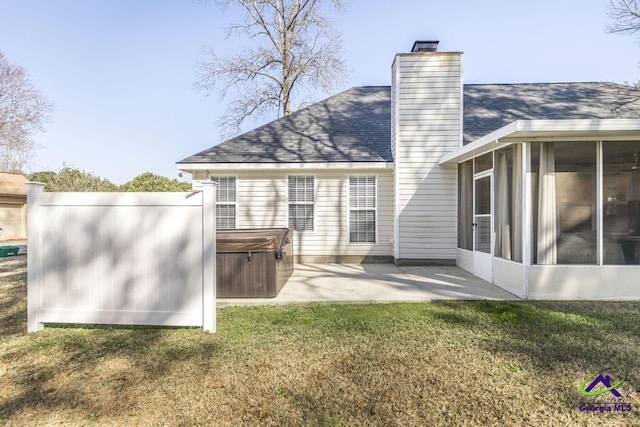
x,y
425,46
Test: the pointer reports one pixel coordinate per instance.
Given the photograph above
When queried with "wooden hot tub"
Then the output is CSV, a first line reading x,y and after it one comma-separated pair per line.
x,y
253,263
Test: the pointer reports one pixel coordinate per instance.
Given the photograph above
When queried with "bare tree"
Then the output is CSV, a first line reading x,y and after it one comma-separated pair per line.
x,y
23,110
625,16
293,49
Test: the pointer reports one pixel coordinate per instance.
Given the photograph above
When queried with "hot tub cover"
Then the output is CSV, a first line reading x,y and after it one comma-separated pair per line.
x,y
258,240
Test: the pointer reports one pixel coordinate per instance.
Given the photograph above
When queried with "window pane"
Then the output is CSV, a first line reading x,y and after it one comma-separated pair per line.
x,y
507,204
565,221
225,217
300,189
483,163
621,202
483,234
301,217
362,226
483,195
226,189
465,205
362,192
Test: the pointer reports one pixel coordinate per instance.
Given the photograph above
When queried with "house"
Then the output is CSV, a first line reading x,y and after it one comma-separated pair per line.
x,y
13,206
533,187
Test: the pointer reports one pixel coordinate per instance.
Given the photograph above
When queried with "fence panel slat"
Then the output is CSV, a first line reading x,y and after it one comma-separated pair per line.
x,y
121,258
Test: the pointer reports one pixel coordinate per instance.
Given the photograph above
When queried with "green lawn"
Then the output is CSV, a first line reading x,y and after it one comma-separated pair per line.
x,y
447,363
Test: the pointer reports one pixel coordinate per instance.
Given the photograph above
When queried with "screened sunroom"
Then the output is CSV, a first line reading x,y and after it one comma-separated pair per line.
x,y
550,209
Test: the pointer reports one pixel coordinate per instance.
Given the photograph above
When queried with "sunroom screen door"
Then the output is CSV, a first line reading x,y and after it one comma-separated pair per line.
x,y
482,257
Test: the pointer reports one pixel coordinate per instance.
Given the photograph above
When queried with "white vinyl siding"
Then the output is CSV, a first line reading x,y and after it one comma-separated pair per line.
x,y
301,200
362,209
394,107
263,203
426,105
226,202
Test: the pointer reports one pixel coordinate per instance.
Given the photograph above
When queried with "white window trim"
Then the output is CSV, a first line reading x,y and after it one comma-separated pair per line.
x,y
237,179
314,204
349,209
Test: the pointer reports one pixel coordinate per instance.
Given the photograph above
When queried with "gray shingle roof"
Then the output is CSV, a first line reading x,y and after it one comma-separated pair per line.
x,y
352,126
355,125
488,107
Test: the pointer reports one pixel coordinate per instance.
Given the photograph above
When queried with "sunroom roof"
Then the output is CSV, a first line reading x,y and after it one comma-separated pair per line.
x,y
546,130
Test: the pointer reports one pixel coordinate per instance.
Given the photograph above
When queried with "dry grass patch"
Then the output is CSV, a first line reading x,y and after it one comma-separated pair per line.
x,y
449,363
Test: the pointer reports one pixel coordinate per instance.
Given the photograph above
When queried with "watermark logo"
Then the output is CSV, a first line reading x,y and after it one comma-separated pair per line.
x,y
599,378
604,393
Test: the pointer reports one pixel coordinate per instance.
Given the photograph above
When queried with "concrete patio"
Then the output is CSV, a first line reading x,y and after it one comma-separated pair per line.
x,y
367,283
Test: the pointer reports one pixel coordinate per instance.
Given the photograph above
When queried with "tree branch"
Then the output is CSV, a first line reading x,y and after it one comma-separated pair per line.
x,y
294,51
625,15
23,111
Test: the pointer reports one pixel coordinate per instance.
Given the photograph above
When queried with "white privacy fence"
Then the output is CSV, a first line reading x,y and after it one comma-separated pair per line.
x,y
122,258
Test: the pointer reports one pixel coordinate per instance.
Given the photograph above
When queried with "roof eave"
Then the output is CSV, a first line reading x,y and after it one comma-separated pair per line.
x,y
286,166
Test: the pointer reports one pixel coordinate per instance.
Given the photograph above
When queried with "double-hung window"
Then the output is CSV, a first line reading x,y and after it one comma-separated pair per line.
x,y
301,202
225,202
362,209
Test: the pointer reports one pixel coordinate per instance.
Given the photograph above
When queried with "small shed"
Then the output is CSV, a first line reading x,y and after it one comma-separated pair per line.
x,y
13,206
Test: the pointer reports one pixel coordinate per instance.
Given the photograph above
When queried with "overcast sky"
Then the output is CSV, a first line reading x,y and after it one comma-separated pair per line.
x,y
120,72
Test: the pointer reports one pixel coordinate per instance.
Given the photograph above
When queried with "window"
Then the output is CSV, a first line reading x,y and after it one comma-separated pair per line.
x,y
482,214
564,203
483,163
362,209
225,202
301,200
621,203
507,203
465,205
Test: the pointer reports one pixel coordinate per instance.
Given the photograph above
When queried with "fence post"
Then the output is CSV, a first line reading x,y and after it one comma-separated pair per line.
x,y
209,190
34,274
